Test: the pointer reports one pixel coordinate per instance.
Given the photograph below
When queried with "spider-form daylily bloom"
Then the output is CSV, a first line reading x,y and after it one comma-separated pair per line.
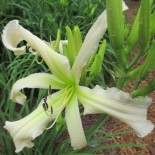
x,y
70,94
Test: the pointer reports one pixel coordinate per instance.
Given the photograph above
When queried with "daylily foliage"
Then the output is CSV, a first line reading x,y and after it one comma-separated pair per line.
x,y
70,94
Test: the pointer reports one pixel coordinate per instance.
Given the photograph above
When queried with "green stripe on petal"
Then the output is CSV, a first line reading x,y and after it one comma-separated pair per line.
x,y
38,80
14,33
90,44
119,105
74,124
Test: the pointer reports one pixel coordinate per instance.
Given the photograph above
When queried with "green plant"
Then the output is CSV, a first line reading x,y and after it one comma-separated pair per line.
x,y
45,144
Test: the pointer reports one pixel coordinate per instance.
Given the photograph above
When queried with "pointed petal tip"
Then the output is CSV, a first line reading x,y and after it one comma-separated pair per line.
x,y
11,38
125,7
18,97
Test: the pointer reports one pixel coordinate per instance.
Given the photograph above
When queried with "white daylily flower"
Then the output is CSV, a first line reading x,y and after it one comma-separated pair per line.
x,y
112,101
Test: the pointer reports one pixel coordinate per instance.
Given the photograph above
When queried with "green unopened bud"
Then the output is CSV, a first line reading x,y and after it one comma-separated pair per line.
x,y
148,64
133,36
134,73
146,90
77,38
115,23
153,23
144,24
74,43
93,11
71,48
64,2
57,42
65,50
96,66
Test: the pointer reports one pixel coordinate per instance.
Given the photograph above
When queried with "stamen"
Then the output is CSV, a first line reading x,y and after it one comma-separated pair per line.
x,y
37,59
49,90
51,110
45,106
49,114
45,102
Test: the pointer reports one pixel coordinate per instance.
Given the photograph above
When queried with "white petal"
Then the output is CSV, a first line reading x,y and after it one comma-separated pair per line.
x,y
25,130
57,101
90,43
11,39
118,104
13,33
38,80
125,7
74,124
28,128
141,128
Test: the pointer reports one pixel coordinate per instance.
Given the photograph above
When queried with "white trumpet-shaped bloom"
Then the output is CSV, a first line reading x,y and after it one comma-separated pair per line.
x,y
66,81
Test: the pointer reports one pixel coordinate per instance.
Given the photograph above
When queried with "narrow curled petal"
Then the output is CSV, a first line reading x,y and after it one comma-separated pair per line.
x,y
11,39
14,33
90,43
28,128
119,105
38,80
74,124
